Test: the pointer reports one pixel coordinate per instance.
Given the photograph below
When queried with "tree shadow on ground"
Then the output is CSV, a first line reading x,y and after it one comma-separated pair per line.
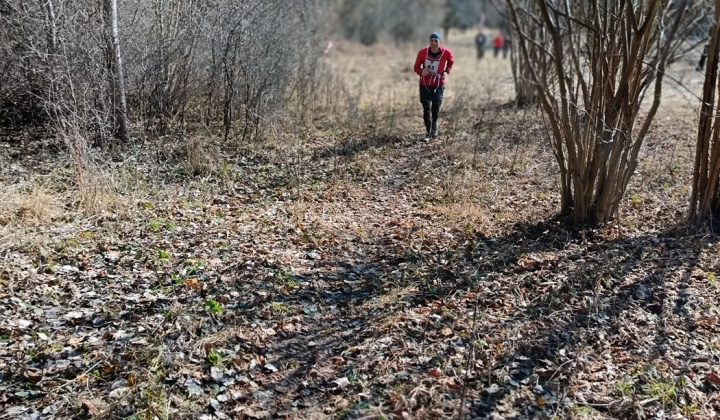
x,y
584,308
354,146
575,287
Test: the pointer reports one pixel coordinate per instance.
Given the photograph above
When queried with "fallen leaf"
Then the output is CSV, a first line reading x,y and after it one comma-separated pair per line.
x,y
90,408
713,378
119,393
270,368
708,323
256,414
23,323
493,389
73,315
435,373
192,283
450,383
342,382
14,411
139,341
447,331
33,376
193,387
82,378
73,341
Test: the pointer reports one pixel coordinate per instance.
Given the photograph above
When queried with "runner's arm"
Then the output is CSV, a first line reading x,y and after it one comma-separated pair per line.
x,y
419,64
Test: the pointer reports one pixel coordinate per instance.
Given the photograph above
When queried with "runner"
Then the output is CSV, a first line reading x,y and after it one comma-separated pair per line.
x,y
433,64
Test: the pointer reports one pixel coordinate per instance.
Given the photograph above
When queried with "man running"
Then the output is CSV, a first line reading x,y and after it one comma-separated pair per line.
x,y
433,64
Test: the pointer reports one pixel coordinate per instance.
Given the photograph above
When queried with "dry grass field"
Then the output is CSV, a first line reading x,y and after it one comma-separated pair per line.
x,y
347,270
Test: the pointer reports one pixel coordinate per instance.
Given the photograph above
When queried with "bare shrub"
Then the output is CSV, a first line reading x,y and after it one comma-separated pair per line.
x,y
224,59
604,59
23,64
259,49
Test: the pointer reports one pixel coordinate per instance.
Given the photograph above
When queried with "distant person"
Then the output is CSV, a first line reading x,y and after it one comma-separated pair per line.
x,y
506,47
433,64
498,44
703,57
480,41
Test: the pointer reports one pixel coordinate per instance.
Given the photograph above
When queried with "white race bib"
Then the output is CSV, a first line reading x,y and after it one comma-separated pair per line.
x,y
432,64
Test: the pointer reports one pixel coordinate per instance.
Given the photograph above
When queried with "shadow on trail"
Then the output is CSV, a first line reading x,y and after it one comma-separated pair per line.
x,y
578,310
354,146
551,301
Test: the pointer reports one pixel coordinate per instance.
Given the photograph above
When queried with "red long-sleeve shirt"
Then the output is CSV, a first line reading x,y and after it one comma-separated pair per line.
x,y
499,41
435,65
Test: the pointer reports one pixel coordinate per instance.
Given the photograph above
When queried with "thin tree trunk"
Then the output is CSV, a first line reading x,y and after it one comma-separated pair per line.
x,y
52,28
51,56
120,106
704,175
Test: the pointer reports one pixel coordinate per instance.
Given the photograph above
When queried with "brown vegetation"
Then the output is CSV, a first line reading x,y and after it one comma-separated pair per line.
x,y
592,66
342,269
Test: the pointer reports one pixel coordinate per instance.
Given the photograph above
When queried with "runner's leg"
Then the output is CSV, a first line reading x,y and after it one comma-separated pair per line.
x,y
436,103
426,99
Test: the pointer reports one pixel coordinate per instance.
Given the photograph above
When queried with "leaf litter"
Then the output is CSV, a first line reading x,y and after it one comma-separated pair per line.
x,y
323,289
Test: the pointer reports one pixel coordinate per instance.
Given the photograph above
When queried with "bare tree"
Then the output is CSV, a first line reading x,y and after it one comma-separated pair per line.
x,y
51,23
705,196
116,71
604,56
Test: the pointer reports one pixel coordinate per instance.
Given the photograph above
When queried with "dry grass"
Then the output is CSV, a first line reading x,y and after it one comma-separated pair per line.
x,y
34,207
96,195
369,219
202,157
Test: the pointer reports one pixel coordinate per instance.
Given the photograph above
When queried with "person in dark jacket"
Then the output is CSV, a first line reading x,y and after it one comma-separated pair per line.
x,y
433,64
480,41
